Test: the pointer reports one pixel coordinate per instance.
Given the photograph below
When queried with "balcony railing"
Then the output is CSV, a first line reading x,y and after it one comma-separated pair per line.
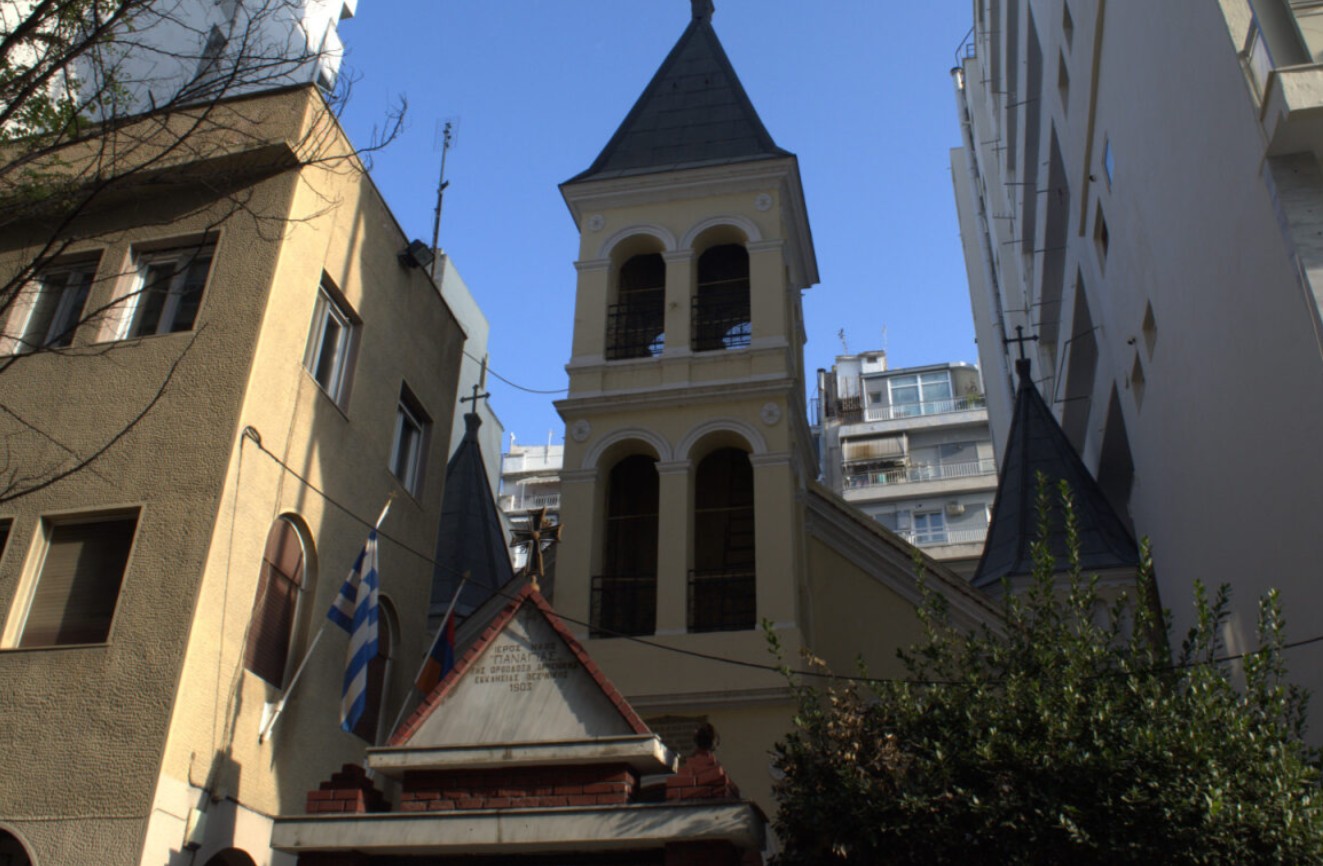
x,y
932,407
912,474
721,320
634,330
550,501
722,600
623,605
931,537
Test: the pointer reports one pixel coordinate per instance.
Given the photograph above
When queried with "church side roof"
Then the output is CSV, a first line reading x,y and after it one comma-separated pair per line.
x,y
472,536
693,113
1037,444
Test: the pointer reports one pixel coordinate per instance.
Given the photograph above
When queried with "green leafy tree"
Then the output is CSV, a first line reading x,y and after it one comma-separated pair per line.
x,y
1064,734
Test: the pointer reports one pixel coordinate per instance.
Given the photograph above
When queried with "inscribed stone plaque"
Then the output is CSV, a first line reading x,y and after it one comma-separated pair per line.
x,y
526,687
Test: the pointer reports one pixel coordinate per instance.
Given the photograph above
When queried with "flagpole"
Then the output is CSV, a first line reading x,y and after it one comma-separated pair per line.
x,y
271,712
426,657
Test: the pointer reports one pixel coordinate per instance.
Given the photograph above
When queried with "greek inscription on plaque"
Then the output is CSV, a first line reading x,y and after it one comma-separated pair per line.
x,y
515,667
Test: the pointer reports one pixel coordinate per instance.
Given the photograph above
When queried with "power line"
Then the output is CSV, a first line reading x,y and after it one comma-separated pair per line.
x,y
856,678
516,384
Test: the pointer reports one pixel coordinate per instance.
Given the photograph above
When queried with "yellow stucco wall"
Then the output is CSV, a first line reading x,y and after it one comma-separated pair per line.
x,y
86,727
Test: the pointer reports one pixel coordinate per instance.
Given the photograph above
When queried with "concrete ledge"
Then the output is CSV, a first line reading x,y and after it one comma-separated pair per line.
x,y
644,753
510,831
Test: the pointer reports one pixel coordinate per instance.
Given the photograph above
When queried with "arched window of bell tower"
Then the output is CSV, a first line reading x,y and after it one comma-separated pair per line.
x,y
722,593
721,307
624,595
635,318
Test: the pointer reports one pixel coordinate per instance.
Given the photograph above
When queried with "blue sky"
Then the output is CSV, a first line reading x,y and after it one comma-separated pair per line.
x,y
860,90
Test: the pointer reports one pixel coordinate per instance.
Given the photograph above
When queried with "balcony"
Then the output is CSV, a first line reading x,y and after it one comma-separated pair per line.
x,y
634,330
914,474
723,600
549,501
933,407
721,320
935,537
623,605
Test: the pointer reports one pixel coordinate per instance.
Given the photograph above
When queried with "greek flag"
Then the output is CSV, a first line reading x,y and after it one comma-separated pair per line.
x,y
355,611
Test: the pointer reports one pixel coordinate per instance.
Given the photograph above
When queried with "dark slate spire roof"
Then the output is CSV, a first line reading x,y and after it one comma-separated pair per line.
x,y
472,536
693,113
1038,444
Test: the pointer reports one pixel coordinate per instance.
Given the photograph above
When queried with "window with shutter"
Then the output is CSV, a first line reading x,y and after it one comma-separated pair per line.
x,y
277,601
77,591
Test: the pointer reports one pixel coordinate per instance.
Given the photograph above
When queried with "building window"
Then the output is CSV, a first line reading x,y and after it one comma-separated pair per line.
x,y
56,307
929,528
721,303
921,394
331,343
378,677
624,596
278,590
169,291
78,587
406,455
635,323
1108,161
721,586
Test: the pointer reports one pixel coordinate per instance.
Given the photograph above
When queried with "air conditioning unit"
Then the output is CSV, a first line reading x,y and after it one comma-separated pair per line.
x,y
955,508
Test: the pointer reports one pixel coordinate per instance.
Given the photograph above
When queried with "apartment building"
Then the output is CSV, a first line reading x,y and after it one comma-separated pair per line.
x,y
1138,187
912,449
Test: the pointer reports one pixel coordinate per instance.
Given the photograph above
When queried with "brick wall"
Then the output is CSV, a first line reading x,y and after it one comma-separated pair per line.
x,y
520,787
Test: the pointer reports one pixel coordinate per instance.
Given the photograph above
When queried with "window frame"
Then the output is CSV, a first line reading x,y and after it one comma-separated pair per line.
x,y
130,326
409,413
331,307
66,316
35,573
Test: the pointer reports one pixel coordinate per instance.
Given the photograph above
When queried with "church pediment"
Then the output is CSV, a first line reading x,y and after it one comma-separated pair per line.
x,y
524,680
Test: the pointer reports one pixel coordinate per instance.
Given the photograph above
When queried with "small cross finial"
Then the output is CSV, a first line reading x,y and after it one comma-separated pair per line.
x,y
476,396
1022,363
1020,339
702,9
539,535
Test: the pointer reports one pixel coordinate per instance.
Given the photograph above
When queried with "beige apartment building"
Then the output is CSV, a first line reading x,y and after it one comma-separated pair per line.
x,y
688,496
238,334
1138,189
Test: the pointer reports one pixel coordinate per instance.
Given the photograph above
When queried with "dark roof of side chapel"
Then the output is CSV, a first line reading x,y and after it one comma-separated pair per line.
x,y
1037,444
472,537
693,113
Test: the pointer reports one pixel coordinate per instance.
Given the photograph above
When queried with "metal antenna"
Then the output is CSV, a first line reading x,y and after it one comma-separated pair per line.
x,y
446,140
840,335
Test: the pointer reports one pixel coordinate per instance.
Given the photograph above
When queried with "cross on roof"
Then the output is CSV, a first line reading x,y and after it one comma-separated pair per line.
x,y
537,537
476,396
1020,339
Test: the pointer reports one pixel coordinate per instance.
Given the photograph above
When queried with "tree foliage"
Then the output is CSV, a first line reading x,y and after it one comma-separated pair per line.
x,y
1064,734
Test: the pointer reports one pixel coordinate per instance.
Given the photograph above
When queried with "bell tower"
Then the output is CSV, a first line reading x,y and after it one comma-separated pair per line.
x,y
687,450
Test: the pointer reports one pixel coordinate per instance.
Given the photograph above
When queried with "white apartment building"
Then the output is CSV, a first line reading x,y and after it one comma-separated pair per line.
x,y
1139,188
912,449
530,480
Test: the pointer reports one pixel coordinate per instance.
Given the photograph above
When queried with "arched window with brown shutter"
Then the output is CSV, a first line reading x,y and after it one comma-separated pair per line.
x,y
277,602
